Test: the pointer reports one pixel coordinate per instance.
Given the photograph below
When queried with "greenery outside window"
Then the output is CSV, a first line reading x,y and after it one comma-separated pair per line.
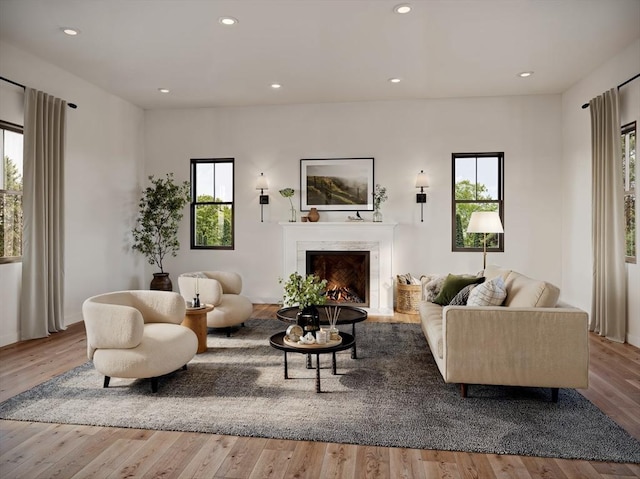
x,y
11,219
212,201
629,177
477,185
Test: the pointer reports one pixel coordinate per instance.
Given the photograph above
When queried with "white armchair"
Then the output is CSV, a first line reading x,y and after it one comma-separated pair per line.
x,y
137,334
221,289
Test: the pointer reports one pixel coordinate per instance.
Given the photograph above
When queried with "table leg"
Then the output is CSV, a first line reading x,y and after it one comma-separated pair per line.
x,y
286,369
317,373
309,365
354,352
334,363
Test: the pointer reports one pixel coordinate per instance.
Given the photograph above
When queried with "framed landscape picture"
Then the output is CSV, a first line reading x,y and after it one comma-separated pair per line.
x,y
336,184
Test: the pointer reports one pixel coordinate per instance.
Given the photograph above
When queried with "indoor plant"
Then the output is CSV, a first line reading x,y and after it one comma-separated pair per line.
x,y
379,197
288,193
307,293
156,232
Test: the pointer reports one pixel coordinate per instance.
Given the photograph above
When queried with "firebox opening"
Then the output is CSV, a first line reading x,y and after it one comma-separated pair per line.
x,y
347,275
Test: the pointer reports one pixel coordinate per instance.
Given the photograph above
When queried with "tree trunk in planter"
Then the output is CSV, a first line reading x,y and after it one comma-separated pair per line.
x,y
161,282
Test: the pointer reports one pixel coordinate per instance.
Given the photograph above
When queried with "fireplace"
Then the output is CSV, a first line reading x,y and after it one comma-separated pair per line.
x,y
346,272
375,239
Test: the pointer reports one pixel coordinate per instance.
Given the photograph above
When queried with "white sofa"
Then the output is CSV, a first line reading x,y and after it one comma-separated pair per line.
x,y
223,290
137,334
528,341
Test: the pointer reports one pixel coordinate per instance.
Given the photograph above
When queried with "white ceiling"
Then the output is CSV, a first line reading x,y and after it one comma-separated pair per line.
x,y
321,50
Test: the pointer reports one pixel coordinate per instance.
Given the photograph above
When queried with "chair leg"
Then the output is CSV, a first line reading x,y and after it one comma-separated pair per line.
x,y
184,368
106,382
554,394
463,390
154,385
228,332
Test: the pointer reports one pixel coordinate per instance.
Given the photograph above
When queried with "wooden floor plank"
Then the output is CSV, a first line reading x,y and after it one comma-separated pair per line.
x,y
61,451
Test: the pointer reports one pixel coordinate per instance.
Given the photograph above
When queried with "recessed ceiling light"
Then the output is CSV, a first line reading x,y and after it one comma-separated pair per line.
x,y
394,80
228,20
72,32
525,74
402,8
164,90
275,86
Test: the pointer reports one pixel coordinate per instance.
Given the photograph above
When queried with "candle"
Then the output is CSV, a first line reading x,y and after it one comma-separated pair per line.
x,y
197,286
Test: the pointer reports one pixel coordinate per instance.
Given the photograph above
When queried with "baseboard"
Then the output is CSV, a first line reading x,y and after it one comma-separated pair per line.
x,y
633,340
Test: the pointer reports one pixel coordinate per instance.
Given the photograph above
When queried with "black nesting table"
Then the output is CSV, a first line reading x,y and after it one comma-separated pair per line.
x,y
277,341
348,315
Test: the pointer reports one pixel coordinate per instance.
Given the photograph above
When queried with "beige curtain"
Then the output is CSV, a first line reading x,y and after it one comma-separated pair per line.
x,y
41,305
608,303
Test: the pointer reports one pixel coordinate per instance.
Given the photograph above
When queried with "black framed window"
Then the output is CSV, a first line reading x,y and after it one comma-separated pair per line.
x,y
629,178
11,219
212,203
477,185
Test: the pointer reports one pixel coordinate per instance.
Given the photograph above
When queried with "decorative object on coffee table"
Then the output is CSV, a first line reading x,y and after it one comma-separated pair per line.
x,y
307,293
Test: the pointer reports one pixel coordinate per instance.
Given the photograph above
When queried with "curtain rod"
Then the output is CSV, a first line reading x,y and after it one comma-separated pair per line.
x,y
586,105
70,105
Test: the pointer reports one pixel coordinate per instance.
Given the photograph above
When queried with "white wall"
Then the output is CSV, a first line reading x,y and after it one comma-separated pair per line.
x,y
403,137
103,176
576,133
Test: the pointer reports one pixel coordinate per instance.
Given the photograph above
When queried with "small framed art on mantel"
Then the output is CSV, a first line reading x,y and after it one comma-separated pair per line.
x,y
336,184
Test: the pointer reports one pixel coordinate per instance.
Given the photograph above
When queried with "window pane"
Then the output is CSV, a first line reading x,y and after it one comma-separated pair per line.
x,y
213,225
630,223
224,182
11,220
465,178
12,160
632,160
472,240
487,179
204,183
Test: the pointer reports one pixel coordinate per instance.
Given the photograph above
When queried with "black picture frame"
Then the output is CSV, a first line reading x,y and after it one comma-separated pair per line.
x,y
337,184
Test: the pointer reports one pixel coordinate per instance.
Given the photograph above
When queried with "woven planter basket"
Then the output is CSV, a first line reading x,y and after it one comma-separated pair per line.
x,y
407,298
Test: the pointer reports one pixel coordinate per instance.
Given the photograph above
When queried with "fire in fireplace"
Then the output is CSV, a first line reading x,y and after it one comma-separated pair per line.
x,y
346,272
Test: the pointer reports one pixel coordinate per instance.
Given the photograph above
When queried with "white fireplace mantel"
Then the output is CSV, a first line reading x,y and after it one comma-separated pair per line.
x,y
377,238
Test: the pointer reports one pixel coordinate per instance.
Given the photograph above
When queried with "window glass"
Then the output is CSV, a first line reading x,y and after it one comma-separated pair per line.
x,y
11,218
628,143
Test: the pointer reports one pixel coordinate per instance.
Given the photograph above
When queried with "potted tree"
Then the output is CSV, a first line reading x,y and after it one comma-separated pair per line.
x,y
156,231
307,293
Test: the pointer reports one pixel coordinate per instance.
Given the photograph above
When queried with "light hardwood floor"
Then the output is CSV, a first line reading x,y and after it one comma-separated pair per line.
x,y
37,450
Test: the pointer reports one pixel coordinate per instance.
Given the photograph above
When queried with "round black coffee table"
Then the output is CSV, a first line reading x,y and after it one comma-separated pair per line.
x,y
348,315
277,341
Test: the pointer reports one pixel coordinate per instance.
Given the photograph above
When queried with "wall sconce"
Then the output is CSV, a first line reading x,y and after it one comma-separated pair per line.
x,y
422,183
262,185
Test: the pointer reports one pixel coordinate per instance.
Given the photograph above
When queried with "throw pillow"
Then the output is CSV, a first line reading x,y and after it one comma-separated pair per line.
x,y
461,298
490,293
452,286
432,286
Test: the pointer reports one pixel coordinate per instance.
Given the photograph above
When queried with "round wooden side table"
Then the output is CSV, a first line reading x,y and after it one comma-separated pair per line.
x,y
196,320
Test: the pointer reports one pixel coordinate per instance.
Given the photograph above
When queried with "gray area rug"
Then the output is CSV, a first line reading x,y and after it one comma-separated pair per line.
x,y
392,395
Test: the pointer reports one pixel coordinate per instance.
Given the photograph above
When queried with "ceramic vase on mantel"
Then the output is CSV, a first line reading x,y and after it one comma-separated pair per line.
x,y
313,215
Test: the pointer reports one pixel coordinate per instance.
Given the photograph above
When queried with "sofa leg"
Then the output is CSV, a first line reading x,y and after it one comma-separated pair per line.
x,y
106,382
154,385
554,394
463,390
228,332
184,368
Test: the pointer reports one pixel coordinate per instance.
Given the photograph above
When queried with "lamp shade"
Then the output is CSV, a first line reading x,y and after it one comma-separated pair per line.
x,y
262,183
485,222
421,180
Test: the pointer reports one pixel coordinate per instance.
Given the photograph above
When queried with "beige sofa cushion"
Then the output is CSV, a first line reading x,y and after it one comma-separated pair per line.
x,y
524,292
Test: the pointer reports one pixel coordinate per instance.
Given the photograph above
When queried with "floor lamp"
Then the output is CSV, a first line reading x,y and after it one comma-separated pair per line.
x,y
485,222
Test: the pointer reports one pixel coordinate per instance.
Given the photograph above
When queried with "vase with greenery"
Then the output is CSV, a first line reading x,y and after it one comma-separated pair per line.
x,y
307,293
288,193
160,210
379,197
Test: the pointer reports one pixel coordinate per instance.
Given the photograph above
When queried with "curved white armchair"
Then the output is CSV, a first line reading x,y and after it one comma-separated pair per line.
x,y
222,289
137,334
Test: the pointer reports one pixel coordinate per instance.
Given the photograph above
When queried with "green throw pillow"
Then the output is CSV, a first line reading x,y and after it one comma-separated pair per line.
x,y
452,286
